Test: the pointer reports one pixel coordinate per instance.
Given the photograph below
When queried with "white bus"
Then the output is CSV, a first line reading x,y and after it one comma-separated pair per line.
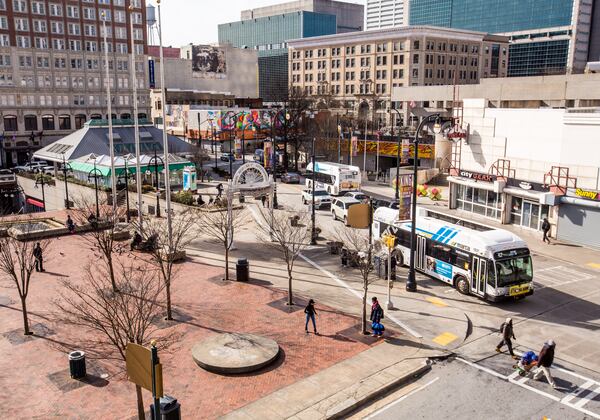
x,y
491,263
335,178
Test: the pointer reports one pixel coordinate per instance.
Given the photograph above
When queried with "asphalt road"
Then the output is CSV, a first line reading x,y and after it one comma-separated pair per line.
x,y
479,396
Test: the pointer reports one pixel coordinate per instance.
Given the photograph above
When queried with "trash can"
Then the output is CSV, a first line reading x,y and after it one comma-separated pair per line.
x,y
242,270
170,409
77,364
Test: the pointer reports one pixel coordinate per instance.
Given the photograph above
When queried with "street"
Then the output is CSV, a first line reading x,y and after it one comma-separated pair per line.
x,y
565,307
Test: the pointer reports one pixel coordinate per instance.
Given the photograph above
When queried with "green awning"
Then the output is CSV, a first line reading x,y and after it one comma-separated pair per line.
x,y
106,172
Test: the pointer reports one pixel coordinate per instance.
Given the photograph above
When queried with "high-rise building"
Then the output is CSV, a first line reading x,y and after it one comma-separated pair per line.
x,y
547,36
268,29
359,70
386,13
52,72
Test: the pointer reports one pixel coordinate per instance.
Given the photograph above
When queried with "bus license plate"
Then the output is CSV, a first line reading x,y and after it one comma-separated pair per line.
x,y
518,290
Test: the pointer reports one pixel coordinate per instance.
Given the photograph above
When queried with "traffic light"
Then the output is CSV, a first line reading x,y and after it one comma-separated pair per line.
x,y
389,241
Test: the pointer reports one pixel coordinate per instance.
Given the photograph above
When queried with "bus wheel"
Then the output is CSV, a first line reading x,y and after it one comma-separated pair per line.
x,y
462,285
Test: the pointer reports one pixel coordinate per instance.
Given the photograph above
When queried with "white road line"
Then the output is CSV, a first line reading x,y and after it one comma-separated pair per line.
x,y
577,375
414,391
482,368
565,401
547,269
584,400
577,392
513,375
347,286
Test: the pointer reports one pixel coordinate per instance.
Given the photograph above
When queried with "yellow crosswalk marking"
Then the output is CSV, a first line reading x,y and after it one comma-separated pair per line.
x,y
445,339
436,301
594,265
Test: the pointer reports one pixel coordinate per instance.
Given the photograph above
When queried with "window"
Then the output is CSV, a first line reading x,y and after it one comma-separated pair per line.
x,y
105,15
25,61
38,8
40,26
5,61
73,12
43,62
120,32
89,30
76,63
3,22
91,46
120,16
64,122
48,122
4,40
78,100
74,29
89,14
31,123
137,18
2,4
60,63
55,9
41,43
20,6
74,45
10,123
416,59
79,121
59,44
21,24
57,27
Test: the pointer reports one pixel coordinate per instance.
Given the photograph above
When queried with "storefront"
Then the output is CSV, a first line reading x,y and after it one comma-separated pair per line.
x,y
510,201
579,217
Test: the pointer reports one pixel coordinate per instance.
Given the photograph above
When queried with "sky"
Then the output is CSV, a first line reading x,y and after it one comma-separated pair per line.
x,y
196,21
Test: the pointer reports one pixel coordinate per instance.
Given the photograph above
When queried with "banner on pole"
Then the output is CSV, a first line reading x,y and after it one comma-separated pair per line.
x,y
152,82
354,146
404,195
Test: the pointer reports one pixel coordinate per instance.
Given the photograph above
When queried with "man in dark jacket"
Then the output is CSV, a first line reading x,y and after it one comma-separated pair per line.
x,y
376,317
506,329
546,229
545,360
39,258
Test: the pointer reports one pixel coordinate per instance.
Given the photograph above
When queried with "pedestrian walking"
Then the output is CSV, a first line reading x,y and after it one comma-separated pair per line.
x,y
263,198
70,224
546,229
545,360
200,200
508,334
310,315
39,258
376,317
219,190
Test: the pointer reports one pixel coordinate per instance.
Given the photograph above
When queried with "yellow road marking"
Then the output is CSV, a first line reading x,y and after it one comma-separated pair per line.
x,y
594,265
436,301
445,339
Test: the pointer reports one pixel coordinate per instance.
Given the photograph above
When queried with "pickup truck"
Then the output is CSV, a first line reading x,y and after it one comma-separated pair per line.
x,y
322,198
30,167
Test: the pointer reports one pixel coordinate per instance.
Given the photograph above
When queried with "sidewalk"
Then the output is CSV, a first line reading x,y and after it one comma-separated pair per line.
x,y
559,250
340,389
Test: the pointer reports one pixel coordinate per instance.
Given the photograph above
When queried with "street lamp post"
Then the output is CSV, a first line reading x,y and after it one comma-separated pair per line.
x,y
411,282
313,231
94,173
39,180
200,147
66,168
154,160
214,141
125,176
274,156
397,190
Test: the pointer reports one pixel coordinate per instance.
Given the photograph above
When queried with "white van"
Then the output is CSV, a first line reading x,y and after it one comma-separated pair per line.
x,y
340,206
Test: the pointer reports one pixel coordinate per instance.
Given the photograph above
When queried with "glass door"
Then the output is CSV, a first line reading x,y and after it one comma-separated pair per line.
x,y
531,215
478,276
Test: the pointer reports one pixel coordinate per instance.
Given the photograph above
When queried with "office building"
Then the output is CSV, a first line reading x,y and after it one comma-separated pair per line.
x,y
52,73
268,29
547,37
386,14
359,70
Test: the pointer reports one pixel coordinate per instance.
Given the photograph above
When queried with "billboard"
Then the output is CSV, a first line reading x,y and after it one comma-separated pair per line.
x,y
208,62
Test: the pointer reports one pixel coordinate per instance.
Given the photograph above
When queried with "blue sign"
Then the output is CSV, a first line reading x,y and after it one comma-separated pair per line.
x,y
443,269
152,83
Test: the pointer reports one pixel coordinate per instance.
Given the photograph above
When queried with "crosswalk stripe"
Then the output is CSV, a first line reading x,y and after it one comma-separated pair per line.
x,y
577,392
584,400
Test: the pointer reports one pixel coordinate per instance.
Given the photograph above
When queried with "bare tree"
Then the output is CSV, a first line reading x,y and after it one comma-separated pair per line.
x,y
17,263
356,242
102,235
112,320
168,249
287,237
220,226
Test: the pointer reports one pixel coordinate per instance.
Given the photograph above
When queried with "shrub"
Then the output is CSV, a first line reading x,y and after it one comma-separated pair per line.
x,y
183,197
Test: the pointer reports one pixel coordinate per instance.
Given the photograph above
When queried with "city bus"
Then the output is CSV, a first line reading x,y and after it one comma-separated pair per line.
x,y
335,178
493,264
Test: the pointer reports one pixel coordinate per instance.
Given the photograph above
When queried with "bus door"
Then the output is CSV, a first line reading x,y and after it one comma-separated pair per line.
x,y
421,256
478,275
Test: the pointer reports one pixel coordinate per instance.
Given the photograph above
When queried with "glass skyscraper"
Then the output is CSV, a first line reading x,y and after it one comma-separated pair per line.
x,y
269,35
547,36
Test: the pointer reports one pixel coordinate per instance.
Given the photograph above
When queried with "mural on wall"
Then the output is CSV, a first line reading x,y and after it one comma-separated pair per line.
x,y
386,148
176,116
225,120
208,61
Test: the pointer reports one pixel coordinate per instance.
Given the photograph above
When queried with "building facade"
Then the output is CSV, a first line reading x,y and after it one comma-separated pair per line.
x,y
52,73
359,70
547,36
349,16
386,13
520,165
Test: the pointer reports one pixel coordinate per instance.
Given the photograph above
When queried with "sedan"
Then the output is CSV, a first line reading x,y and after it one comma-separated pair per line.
x,y
226,157
290,178
358,196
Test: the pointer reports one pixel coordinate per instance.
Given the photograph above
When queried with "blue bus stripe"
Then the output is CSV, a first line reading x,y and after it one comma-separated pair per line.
x,y
439,233
446,234
450,237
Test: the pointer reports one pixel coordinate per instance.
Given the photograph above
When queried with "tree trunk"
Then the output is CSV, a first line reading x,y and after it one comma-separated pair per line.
x,y
111,272
290,297
26,330
364,310
226,264
168,290
140,402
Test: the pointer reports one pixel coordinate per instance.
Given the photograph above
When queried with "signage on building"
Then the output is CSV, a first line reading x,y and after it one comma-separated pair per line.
x,y
527,185
478,176
152,82
585,194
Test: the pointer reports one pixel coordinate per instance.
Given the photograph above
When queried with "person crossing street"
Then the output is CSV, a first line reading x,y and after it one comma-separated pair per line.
x,y
507,331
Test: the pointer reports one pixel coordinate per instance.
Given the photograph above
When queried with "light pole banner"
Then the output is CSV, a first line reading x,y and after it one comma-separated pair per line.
x,y
354,145
405,152
405,196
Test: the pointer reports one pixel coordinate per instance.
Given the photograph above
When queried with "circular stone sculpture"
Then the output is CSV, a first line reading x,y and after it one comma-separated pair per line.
x,y
235,353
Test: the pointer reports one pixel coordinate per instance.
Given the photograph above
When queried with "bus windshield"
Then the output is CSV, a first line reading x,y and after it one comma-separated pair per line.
x,y
514,270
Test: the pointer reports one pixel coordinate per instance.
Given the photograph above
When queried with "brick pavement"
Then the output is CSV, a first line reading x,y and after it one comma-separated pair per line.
x,y
34,374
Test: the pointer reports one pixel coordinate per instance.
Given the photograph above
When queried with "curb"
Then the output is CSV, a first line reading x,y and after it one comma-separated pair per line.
x,y
355,404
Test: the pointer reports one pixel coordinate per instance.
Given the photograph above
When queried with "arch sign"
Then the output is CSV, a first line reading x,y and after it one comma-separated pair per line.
x,y
252,179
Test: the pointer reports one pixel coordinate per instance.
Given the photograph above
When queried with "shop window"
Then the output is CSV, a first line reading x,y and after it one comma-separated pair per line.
x,y
95,117
10,123
79,121
64,122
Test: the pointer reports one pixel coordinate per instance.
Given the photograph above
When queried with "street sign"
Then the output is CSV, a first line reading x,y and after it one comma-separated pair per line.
x,y
139,368
358,216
